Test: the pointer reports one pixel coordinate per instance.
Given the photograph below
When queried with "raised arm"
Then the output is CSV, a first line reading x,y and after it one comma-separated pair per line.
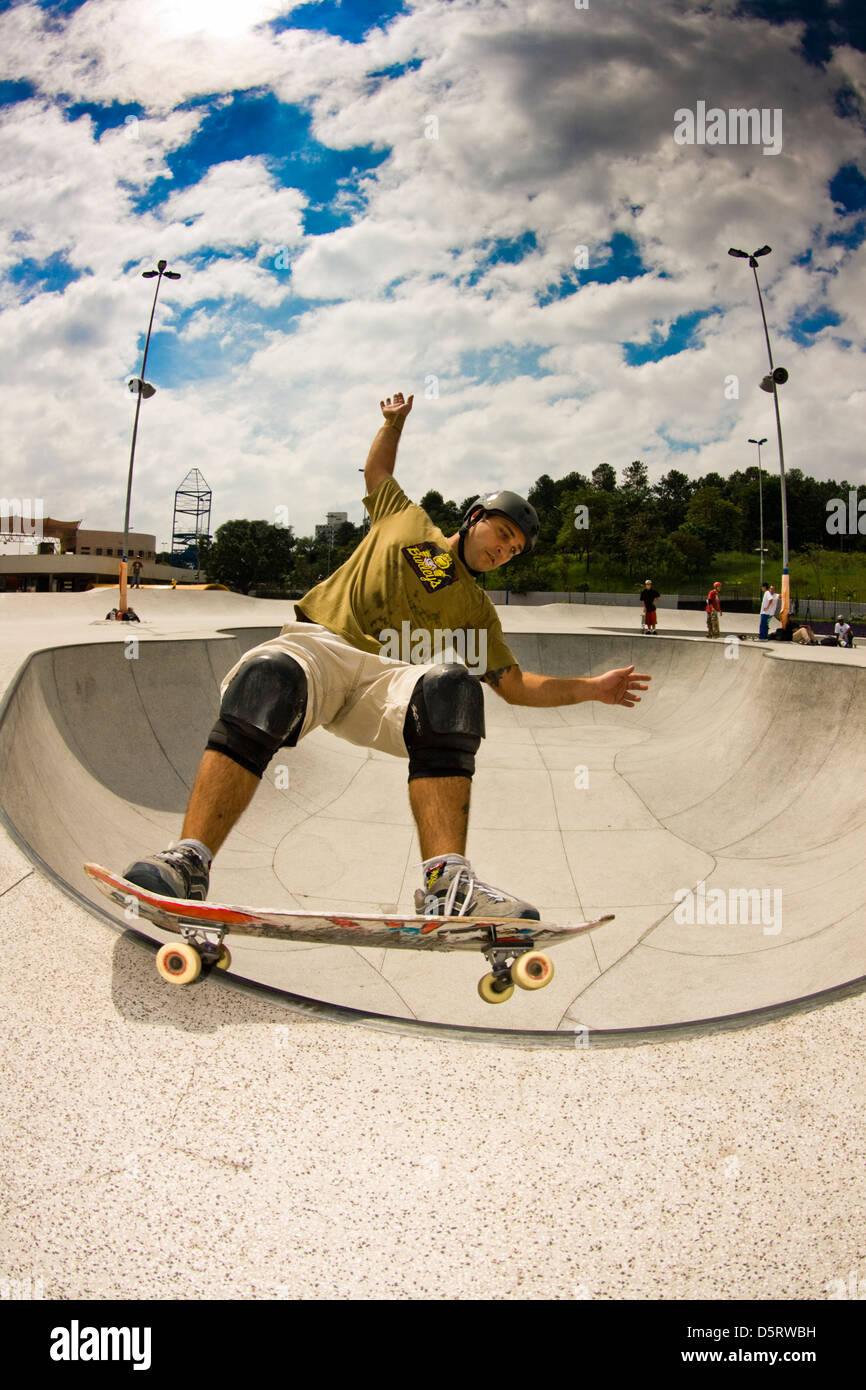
x,y
383,450
517,687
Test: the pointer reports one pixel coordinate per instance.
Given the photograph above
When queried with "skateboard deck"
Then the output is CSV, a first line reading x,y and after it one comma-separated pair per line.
x,y
204,925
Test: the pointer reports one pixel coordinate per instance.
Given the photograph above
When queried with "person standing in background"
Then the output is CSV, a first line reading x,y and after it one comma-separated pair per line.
x,y
768,607
648,599
714,609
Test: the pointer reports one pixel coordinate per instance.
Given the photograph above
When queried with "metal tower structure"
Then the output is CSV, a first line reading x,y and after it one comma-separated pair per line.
x,y
191,500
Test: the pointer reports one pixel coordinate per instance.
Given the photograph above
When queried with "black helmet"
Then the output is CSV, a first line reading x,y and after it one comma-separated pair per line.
x,y
509,504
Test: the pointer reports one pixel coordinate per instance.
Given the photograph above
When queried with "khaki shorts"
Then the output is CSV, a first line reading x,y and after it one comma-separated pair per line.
x,y
353,694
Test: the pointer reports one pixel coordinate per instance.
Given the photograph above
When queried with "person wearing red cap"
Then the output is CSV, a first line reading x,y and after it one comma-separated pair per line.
x,y
714,609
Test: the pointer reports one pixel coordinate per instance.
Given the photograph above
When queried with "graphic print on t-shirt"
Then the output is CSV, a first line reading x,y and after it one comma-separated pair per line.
x,y
434,566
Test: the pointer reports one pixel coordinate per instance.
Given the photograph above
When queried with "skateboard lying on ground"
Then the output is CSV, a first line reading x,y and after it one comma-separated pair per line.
x,y
508,943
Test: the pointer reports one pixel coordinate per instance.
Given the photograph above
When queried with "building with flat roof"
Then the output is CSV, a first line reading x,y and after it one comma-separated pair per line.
x,y
334,522
63,557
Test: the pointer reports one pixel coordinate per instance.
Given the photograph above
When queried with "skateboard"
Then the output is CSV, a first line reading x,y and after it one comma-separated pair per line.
x,y
509,944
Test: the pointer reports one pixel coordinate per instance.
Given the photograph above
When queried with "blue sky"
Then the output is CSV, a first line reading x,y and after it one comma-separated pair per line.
x,y
349,22
478,202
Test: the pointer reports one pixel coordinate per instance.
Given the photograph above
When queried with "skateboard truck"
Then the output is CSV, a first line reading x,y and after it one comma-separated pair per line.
x,y
201,949
513,963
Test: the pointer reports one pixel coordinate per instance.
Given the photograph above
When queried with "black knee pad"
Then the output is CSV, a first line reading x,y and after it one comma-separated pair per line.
x,y
444,723
262,710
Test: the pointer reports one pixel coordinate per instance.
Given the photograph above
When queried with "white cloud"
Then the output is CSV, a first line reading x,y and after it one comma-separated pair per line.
x,y
549,120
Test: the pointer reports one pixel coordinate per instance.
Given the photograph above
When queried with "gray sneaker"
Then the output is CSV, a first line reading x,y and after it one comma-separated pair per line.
x,y
454,891
175,873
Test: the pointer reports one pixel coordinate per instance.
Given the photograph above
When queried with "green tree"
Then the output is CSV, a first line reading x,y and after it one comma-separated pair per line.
x,y
572,482
666,563
635,483
718,522
672,493
543,497
694,552
519,575
446,515
638,543
604,477
246,553
713,480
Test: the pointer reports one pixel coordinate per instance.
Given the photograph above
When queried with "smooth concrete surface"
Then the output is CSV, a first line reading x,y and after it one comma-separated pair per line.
x,y
736,785
210,1143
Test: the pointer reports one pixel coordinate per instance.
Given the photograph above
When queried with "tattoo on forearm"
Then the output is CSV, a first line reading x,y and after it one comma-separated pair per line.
x,y
494,677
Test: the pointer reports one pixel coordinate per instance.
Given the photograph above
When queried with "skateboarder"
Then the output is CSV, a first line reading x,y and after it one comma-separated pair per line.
x,y
714,609
327,668
648,597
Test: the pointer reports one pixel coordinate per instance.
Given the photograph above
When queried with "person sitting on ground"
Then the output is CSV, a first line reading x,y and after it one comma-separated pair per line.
x,y
805,636
844,632
327,668
785,633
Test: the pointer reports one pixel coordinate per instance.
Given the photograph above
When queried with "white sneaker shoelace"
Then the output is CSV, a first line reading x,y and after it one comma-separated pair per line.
x,y
454,888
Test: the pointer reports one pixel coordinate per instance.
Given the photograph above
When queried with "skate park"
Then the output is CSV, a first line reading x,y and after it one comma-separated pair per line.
x,y
740,770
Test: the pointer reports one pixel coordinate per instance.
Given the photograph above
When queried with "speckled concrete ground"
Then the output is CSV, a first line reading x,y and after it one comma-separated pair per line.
x,y
210,1143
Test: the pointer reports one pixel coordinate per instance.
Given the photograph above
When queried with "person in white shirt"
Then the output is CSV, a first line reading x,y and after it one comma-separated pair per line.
x,y
768,608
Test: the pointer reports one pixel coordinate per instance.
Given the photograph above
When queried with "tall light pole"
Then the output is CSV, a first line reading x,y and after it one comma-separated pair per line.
x,y
365,520
143,391
777,377
759,442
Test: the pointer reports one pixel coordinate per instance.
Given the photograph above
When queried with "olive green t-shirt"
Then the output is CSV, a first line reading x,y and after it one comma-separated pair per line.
x,y
402,582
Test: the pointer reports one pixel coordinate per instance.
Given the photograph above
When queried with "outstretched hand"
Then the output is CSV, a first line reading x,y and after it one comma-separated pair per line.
x,y
396,410
618,687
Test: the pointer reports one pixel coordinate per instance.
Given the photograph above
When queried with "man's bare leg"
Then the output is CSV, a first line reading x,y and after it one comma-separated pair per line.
x,y
440,806
222,792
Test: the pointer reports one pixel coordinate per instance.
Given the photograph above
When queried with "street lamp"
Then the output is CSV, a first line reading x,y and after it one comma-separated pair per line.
x,y
365,520
776,378
142,390
759,442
